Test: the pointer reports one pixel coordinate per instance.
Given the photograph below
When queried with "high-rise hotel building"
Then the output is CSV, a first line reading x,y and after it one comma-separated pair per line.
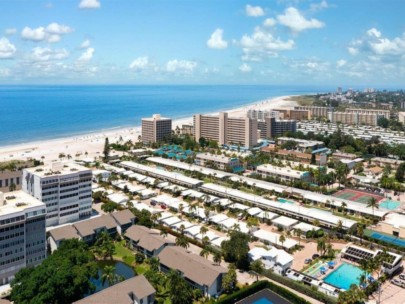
x,y
65,188
22,233
155,129
226,130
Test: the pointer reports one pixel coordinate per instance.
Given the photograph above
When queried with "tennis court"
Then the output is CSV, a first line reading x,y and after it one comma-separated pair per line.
x,y
357,196
388,238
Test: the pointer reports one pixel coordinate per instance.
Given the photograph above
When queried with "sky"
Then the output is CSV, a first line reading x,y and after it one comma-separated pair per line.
x,y
280,42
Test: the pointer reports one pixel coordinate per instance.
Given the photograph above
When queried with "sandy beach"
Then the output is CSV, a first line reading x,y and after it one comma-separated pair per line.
x,y
91,145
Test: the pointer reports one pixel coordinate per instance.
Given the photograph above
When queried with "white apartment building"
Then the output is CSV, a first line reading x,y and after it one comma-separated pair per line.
x,y
219,161
155,129
285,174
226,130
65,188
22,233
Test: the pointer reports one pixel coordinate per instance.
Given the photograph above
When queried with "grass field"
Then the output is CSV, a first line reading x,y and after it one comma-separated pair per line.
x,y
356,196
303,100
123,253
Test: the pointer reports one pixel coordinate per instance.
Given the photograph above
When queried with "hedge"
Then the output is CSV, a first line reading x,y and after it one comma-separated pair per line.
x,y
300,287
260,285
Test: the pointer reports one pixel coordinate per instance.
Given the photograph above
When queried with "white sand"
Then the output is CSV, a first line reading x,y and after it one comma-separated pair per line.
x,y
77,146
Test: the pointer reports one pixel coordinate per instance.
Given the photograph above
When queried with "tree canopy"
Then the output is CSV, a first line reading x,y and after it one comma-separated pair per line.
x,y
64,277
236,249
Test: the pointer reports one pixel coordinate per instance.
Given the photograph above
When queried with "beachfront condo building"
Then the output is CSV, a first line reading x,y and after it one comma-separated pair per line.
x,y
156,129
351,118
380,113
225,130
272,127
65,188
217,161
261,115
315,112
22,233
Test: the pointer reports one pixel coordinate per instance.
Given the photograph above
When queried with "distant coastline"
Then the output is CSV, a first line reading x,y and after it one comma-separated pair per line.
x,y
89,144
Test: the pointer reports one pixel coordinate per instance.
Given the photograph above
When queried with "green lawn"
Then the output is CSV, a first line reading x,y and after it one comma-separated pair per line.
x,y
141,268
123,253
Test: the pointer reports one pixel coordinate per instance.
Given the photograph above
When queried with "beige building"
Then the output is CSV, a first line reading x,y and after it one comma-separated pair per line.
x,y
155,129
351,118
321,112
8,179
401,117
219,161
226,130
384,113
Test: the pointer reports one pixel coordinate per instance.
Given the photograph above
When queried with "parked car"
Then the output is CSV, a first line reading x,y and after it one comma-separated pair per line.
x,y
315,256
163,206
402,276
307,261
398,282
153,203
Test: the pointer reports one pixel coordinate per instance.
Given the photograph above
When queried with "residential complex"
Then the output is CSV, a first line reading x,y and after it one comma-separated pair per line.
x,y
272,127
156,129
380,113
226,130
315,112
65,188
22,233
353,118
284,174
217,161
10,179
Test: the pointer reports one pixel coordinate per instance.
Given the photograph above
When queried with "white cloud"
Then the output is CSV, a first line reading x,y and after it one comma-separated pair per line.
x,y
37,34
245,68
58,29
319,6
85,44
89,4
353,51
52,33
254,11
373,32
261,44
294,20
7,49
184,66
47,54
87,54
340,63
10,31
216,40
140,63
269,22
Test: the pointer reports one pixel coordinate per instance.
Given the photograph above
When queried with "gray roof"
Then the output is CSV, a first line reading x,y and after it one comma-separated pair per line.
x,y
88,227
64,233
146,238
120,293
123,217
194,267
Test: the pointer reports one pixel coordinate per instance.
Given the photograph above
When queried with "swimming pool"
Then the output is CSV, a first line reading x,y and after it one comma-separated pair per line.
x,y
390,205
388,238
263,301
344,276
283,200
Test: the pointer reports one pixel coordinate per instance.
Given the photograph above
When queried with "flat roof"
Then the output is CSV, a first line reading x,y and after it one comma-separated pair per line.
x,y
396,220
19,201
57,169
284,221
214,157
280,170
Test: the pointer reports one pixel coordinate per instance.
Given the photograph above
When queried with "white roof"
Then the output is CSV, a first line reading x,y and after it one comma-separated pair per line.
x,y
118,198
279,256
169,221
254,211
142,206
186,225
210,235
305,227
284,221
194,230
239,206
217,242
218,218
224,202
396,220
266,215
280,170
19,202
161,198
175,204
137,176
147,192
273,238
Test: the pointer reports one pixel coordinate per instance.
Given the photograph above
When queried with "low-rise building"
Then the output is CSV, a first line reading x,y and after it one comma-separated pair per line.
x,y
276,259
146,241
136,290
383,161
124,220
284,174
10,180
199,272
394,224
217,161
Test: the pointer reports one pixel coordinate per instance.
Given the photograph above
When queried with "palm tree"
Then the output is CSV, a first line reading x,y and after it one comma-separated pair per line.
x,y
203,231
360,232
217,257
256,268
321,246
298,233
282,239
164,231
372,202
155,217
108,275
344,205
182,241
205,252
352,296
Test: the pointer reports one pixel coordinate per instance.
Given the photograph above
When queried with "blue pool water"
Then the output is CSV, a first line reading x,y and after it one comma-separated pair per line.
x,y
283,200
390,205
263,301
388,239
344,276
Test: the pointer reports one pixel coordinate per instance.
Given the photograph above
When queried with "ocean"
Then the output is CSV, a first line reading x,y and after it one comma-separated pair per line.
x,y
32,113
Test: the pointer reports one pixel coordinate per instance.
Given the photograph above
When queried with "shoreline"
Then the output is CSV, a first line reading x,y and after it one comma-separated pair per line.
x,y
93,142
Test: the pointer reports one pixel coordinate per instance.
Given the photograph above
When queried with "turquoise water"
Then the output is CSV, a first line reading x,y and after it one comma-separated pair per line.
x,y
263,301
344,276
30,113
283,200
388,239
390,205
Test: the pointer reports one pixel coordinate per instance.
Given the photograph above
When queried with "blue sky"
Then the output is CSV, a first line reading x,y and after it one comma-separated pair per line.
x,y
202,42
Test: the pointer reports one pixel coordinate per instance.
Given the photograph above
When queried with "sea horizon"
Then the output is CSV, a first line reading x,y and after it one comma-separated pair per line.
x,y
31,113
